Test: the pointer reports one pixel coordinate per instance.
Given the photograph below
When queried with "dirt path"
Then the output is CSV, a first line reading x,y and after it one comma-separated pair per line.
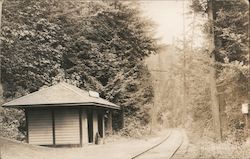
x,y
115,150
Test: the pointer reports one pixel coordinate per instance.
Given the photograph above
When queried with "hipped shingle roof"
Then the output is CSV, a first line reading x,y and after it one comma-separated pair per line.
x,y
61,94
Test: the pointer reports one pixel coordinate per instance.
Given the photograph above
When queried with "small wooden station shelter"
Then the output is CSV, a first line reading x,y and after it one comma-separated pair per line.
x,y
63,115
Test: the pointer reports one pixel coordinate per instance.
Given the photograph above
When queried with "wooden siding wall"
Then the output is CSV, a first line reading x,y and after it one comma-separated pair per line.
x,y
67,126
84,128
40,127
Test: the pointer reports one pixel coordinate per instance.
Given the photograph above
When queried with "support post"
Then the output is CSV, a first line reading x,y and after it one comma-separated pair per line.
x,y
122,117
152,123
85,132
246,126
27,125
109,123
53,127
103,127
80,124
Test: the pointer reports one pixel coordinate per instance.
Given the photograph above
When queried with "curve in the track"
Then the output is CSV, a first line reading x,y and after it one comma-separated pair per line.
x,y
158,144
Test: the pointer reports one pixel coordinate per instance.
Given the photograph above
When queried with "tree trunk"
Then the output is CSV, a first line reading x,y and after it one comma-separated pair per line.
x,y
213,88
1,6
184,100
1,87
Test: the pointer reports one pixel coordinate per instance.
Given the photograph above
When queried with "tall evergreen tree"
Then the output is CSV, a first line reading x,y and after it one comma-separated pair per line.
x,y
98,45
231,23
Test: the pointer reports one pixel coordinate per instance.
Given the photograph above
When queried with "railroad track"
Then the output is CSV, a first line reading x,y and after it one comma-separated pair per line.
x,y
165,149
177,149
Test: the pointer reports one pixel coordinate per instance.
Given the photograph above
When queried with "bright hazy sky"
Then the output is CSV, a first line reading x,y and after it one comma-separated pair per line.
x,y
168,15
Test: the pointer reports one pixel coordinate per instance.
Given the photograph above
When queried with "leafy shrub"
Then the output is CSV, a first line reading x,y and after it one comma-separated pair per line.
x,y
12,123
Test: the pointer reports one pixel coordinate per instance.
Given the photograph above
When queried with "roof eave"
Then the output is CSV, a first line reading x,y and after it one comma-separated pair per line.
x,y
62,105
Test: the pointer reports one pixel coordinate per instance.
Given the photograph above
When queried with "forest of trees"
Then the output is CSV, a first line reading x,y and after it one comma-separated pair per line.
x,y
231,52
102,45
97,45
192,68
188,70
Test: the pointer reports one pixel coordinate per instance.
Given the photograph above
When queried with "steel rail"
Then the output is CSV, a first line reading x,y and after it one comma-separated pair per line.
x,y
172,155
158,144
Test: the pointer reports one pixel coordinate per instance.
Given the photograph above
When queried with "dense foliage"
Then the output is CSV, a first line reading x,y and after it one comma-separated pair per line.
x,y
97,45
231,24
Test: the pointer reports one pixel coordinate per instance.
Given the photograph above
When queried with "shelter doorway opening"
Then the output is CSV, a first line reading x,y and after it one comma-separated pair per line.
x,y
90,125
